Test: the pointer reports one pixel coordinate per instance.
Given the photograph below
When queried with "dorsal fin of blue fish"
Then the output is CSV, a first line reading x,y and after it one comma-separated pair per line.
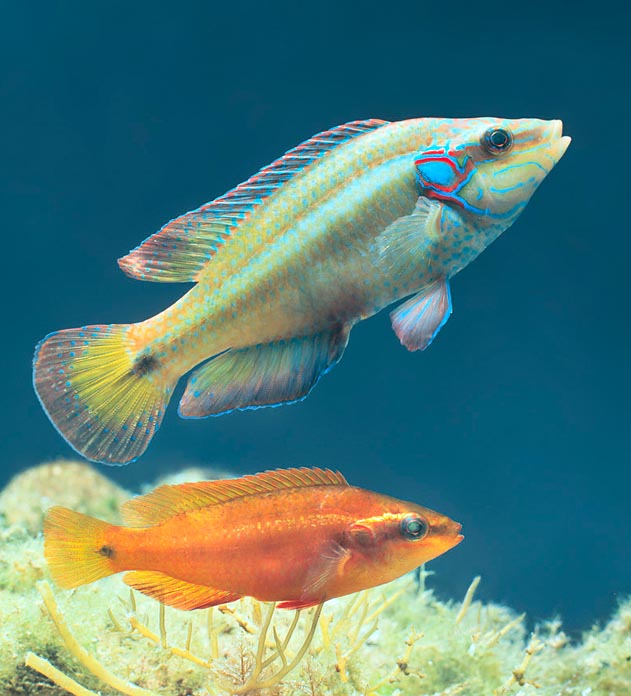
x,y
417,321
264,375
183,247
167,501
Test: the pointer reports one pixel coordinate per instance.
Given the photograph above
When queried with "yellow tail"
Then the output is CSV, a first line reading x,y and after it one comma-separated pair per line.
x,y
104,396
76,547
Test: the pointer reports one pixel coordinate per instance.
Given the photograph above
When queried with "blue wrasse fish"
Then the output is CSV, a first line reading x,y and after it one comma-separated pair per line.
x,y
286,263
296,536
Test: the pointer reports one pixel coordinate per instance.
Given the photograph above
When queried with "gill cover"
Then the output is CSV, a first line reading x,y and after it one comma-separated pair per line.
x,y
487,166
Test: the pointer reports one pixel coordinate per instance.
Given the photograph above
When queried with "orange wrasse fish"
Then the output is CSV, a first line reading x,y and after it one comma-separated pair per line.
x,y
295,536
286,263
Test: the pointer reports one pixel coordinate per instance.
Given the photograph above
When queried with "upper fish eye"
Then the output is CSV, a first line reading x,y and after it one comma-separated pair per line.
x,y
414,527
497,140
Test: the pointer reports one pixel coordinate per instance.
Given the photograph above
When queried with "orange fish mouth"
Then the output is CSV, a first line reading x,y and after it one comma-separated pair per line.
x,y
456,532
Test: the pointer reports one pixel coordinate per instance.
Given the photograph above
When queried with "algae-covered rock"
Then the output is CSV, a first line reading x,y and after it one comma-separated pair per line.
x,y
394,640
73,484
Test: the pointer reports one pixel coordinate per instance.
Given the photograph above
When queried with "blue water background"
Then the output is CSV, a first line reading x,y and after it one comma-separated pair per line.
x,y
116,117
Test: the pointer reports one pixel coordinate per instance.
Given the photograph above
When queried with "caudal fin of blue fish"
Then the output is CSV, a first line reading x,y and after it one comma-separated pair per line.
x,y
269,374
105,399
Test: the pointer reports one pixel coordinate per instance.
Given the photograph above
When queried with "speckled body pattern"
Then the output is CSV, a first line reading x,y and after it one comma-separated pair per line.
x,y
270,548
308,538
351,221
305,258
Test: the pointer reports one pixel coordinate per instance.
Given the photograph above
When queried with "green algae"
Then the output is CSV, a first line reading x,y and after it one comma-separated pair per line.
x,y
396,640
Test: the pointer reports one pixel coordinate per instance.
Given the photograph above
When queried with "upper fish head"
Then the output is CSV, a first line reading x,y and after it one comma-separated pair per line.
x,y
402,537
488,168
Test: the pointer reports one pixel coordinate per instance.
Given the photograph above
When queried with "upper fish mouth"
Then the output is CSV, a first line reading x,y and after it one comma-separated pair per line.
x,y
456,533
561,141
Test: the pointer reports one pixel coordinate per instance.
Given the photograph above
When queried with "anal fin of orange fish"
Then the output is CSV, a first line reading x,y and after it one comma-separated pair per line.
x,y
177,593
299,604
265,375
417,321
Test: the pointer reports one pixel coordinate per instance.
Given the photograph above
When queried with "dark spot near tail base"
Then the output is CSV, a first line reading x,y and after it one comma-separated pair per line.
x,y
106,551
144,365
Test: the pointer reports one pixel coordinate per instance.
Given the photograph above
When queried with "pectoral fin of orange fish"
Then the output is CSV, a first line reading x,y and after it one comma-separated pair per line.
x,y
263,375
177,593
330,563
182,248
170,500
417,321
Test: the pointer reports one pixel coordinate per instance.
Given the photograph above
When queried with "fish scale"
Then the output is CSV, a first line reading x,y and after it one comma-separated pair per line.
x,y
285,265
297,536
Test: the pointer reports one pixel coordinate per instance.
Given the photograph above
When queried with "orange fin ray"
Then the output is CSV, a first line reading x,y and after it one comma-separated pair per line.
x,y
299,604
332,561
76,548
177,593
170,500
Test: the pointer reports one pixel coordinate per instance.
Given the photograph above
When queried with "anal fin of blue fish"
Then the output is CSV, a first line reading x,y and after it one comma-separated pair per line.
x,y
177,593
269,374
417,321
182,248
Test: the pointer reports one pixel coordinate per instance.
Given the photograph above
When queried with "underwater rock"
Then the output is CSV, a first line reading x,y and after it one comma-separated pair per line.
x,y
72,484
395,640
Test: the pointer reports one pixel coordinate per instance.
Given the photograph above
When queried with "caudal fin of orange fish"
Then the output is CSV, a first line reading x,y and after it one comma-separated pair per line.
x,y
77,548
103,396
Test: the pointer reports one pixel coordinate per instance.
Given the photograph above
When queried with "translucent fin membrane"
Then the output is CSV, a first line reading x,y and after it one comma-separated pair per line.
x,y
417,321
177,593
181,249
106,407
167,501
76,548
263,375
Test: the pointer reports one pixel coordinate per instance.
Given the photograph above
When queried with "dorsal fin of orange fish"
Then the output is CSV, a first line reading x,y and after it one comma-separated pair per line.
x,y
182,248
263,375
177,593
170,500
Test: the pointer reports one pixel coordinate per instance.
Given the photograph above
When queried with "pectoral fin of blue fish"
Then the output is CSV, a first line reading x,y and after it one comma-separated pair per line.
x,y
417,321
408,239
181,249
265,375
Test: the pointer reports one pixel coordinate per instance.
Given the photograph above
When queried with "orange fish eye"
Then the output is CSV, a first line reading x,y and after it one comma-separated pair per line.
x,y
414,527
